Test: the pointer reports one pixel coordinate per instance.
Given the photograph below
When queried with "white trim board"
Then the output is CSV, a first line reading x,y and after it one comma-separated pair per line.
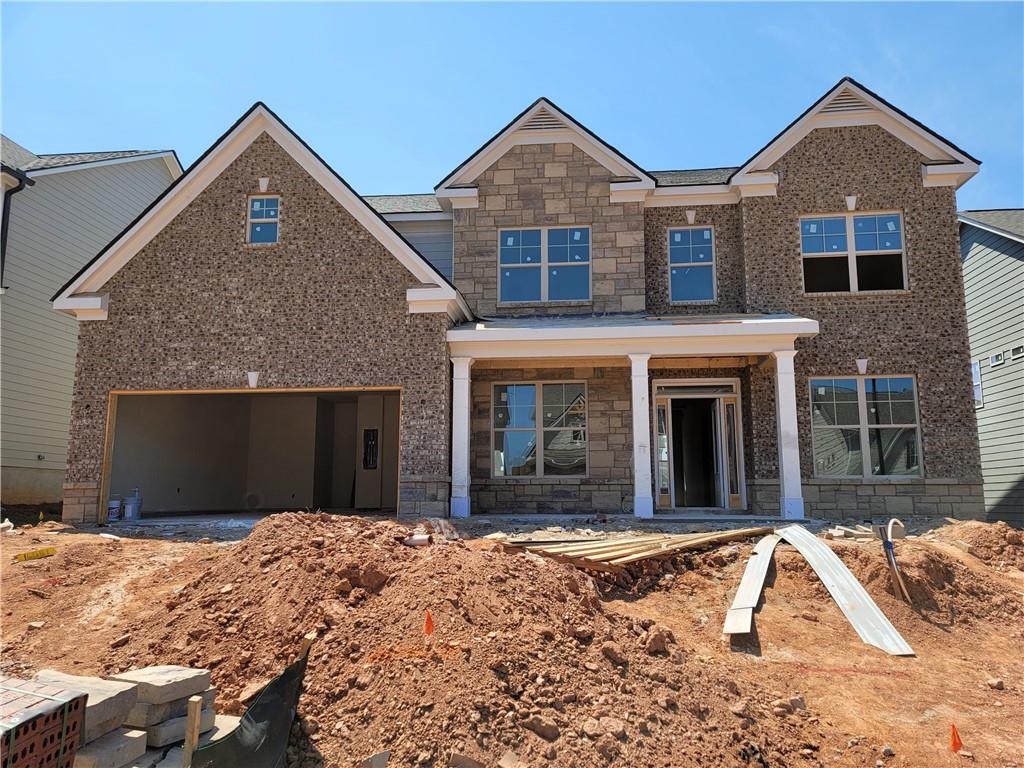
x,y
252,125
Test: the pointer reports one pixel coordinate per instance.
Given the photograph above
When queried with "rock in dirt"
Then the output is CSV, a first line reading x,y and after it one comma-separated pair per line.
x,y
613,653
995,683
379,760
614,727
888,751
122,640
544,727
658,639
36,624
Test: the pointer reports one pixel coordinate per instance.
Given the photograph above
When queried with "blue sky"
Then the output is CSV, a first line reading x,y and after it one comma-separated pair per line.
x,y
394,96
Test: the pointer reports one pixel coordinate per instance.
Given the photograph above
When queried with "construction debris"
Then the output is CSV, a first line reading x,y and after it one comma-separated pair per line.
x,y
35,554
40,724
738,618
611,555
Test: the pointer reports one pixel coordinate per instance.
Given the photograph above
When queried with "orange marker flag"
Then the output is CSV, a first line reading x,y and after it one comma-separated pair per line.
x,y
428,624
955,745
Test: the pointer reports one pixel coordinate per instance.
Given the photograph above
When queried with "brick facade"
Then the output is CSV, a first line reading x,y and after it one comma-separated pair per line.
x,y
727,224
542,185
197,308
921,331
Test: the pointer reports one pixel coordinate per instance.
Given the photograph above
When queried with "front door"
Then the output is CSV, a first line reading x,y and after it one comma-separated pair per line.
x,y
698,455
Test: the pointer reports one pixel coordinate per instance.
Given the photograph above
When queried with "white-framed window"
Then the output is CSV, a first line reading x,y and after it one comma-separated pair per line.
x,y
979,394
853,252
997,359
264,211
865,426
691,265
553,445
544,264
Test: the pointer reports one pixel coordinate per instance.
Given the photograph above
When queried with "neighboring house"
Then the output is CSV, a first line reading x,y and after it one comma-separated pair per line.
x,y
992,250
785,337
58,212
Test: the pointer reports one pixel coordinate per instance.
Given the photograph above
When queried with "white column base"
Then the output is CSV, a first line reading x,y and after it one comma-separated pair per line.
x,y
793,509
459,506
643,507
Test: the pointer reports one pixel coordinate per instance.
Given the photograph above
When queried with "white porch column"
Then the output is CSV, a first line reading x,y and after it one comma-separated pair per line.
x,y
790,492
643,501
459,506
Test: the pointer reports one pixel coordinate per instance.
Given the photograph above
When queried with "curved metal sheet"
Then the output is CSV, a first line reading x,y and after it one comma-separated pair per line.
x,y
853,600
739,617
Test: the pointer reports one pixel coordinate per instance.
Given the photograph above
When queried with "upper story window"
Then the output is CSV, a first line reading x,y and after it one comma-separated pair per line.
x,y
853,252
263,220
550,264
691,264
865,426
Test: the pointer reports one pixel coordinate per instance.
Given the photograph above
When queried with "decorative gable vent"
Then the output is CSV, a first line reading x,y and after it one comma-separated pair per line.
x,y
847,101
542,120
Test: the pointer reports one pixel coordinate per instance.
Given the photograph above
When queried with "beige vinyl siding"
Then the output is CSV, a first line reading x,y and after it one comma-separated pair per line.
x,y
56,226
993,268
433,239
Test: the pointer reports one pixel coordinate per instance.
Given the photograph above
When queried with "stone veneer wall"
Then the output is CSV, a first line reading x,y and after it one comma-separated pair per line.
x,y
326,307
609,484
727,224
920,331
537,185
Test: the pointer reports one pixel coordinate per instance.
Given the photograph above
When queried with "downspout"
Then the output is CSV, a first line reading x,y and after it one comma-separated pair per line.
x,y
23,181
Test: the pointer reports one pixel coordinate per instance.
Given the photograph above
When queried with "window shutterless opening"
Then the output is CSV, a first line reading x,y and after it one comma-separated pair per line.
x,y
553,445
544,264
853,252
264,211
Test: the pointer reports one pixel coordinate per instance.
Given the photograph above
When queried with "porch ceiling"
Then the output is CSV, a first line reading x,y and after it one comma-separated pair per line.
x,y
620,335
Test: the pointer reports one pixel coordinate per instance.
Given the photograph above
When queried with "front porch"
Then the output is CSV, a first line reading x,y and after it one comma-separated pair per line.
x,y
587,414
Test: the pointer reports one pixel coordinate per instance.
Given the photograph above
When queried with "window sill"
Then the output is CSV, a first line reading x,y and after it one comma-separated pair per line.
x,y
534,480
262,245
854,294
700,303
879,480
562,303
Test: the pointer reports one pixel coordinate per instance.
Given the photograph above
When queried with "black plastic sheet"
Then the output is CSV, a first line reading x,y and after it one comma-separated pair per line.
x,y
261,738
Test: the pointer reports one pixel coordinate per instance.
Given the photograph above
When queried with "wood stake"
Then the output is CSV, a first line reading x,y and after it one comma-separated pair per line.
x,y
195,709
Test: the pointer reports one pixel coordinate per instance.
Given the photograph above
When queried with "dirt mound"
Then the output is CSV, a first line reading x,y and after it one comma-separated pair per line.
x,y
523,658
998,544
942,589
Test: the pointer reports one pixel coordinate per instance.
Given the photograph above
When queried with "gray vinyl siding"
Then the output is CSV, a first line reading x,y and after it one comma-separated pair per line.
x,y
433,239
993,268
55,227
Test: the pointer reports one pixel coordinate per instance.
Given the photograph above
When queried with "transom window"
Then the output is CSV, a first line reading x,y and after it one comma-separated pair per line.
x,y
852,252
865,426
555,445
691,264
263,220
544,264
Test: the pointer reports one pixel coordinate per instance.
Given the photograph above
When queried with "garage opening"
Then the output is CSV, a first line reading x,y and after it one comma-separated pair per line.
x,y
254,452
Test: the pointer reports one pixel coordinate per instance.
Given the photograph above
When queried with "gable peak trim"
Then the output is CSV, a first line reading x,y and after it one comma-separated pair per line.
x,y
256,121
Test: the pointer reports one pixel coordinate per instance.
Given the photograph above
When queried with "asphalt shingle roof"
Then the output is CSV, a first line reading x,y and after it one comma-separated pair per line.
x,y
693,176
421,203
16,156
1007,219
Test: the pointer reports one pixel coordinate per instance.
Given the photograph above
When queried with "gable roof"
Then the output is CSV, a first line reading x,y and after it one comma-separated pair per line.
x,y
21,159
850,103
543,122
1008,222
79,293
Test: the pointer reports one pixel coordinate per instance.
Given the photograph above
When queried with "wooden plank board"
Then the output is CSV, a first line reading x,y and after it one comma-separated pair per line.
x,y
720,537
738,621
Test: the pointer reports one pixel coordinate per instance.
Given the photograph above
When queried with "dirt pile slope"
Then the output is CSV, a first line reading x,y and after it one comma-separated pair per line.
x,y
998,544
523,657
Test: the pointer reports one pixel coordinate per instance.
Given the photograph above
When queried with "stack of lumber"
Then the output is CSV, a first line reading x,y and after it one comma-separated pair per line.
x,y
612,555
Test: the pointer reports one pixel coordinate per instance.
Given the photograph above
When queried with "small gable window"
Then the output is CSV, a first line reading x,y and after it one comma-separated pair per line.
x,y
263,220
691,265
853,252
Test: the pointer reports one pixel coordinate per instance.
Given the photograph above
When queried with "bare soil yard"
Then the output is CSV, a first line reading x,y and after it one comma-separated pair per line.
x,y
535,657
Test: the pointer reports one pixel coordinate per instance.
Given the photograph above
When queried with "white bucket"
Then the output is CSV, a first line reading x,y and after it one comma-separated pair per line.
x,y
113,510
